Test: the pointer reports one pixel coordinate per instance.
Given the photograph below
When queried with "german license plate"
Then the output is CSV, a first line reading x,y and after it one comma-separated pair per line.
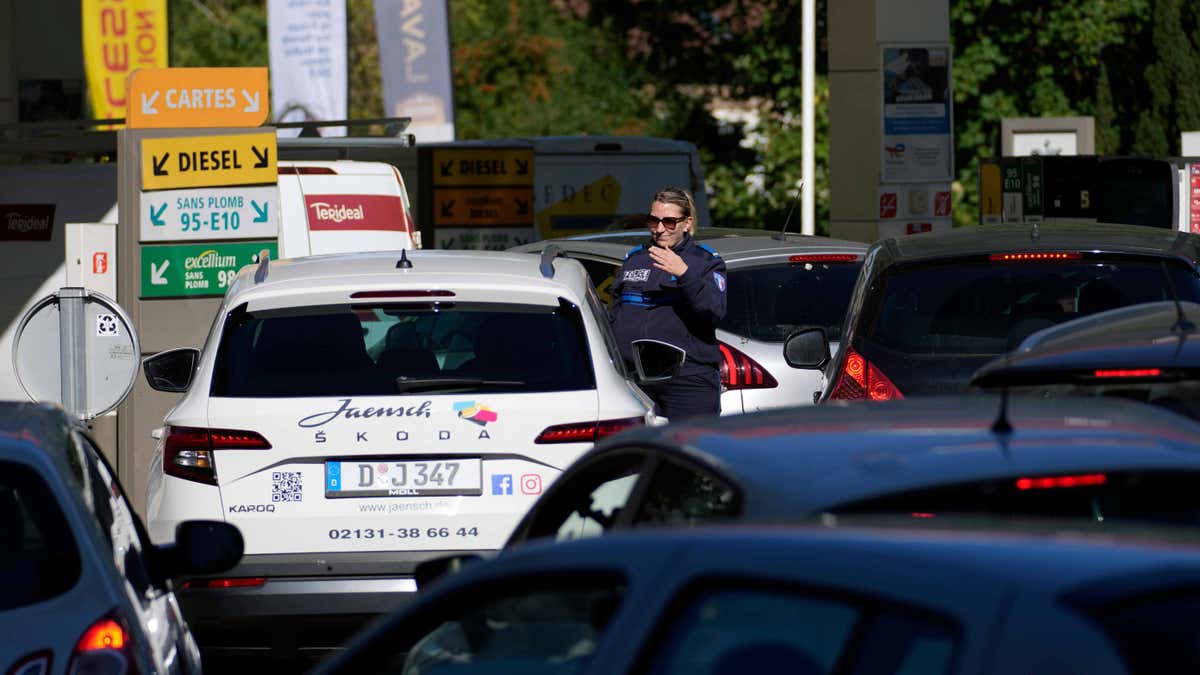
x,y
413,478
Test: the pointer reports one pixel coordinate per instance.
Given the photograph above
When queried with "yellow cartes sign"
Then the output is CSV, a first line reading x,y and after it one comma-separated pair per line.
x,y
206,161
118,38
198,97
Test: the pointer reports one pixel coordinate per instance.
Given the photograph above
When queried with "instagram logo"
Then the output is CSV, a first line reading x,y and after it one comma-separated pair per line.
x,y
531,484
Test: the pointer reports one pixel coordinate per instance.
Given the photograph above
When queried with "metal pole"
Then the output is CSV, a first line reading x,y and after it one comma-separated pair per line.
x,y
71,343
808,64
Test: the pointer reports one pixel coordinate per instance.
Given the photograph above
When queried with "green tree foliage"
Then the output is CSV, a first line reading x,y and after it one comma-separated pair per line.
x,y
1031,58
217,33
523,67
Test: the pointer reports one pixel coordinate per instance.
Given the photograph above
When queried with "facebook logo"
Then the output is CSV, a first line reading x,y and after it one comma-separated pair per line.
x,y
502,484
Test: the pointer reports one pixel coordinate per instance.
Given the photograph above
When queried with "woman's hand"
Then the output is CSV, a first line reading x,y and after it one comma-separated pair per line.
x,y
668,261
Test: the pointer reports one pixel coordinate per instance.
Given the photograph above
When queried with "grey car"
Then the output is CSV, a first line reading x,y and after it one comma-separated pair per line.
x,y
777,284
802,602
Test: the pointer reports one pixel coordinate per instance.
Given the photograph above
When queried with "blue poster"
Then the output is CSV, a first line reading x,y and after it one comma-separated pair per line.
x,y
414,60
917,136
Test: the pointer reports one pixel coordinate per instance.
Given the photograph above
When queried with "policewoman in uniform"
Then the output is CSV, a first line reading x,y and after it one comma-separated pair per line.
x,y
672,289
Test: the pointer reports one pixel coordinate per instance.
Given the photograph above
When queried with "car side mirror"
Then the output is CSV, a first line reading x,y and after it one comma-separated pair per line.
x,y
171,370
431,570
656,361
201,547
806,348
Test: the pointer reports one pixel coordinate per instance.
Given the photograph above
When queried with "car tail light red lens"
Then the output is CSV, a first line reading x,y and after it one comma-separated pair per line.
x,y
188,451
402,294
1128,372
105,647
1026,256
1050,482
824,258
862,380
235,582
739,371
586,432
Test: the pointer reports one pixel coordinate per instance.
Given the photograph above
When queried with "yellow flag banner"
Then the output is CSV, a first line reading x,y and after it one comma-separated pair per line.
x,y
119,38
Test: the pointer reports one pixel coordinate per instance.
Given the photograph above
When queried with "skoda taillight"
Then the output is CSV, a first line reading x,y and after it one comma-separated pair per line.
x,y
739,371
105,647
862,380
586,432
188,451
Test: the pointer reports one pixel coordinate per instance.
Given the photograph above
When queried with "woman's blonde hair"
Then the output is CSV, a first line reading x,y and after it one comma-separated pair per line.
x,y
681,198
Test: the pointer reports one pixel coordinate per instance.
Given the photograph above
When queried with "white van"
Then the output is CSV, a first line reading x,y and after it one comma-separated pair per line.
x,y
343,206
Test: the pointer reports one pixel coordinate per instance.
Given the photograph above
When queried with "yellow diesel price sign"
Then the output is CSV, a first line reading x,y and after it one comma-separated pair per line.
x,y
483,167
208,161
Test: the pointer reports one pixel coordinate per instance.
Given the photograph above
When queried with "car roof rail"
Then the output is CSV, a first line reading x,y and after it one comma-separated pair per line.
x,y
547,263
264,266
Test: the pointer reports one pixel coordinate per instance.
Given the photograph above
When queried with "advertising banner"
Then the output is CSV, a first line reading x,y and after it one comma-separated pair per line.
x,y
414,57
917,138
307,41
119,38
197,270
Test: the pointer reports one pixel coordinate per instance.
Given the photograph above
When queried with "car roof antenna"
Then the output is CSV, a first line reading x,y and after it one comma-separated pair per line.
x,y
1181,321
403,263
783,232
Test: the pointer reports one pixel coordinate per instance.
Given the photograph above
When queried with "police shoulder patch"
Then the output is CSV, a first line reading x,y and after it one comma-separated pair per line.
x,y
720,280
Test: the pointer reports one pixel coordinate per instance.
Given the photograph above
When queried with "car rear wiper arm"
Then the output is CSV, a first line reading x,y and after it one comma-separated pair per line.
x,y
407,384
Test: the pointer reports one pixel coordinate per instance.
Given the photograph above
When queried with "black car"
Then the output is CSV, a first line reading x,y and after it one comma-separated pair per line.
x,y
1148,352
929,310
760,601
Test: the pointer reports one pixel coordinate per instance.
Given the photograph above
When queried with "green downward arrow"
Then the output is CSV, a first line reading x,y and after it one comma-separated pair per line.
x,y
156,216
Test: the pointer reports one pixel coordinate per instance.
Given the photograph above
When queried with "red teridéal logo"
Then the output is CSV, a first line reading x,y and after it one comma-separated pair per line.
x,y
99,262
357,212
918,228
26,222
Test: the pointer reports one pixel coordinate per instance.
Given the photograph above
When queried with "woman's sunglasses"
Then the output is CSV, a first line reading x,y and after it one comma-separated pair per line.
x,y
670,222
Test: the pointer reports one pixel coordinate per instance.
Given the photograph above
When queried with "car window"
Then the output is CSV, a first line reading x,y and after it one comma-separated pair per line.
x,y
1156,633
547,630
39,558
604,325
679,495
730,631
988,307
589,499
768,302
1114,499
1181,396
342,350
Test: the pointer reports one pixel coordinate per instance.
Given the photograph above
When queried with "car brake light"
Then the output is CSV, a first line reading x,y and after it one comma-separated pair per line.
x,y
739,371
860,379
1049,482
103,648
402,294
188,451
586,432
235,582
1129,372
306,171
1034,256
823,258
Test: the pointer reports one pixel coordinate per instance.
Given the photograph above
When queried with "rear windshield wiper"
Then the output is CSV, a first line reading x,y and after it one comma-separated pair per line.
x,y
407,384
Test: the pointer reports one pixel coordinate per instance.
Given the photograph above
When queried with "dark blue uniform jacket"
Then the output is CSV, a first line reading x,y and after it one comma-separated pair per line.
x,y
651,303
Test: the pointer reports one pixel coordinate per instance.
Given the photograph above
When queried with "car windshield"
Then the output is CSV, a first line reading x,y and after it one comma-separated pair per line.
x,y
38,556
930,326
1112,498
768,302
384,349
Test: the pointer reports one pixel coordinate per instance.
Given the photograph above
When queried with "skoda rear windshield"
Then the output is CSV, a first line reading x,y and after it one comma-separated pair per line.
x,y
39,559
768,302
382,349
1113,498
986,307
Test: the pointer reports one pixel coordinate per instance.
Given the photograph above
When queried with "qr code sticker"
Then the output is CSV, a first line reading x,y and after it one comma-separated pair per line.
x,y
286,486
